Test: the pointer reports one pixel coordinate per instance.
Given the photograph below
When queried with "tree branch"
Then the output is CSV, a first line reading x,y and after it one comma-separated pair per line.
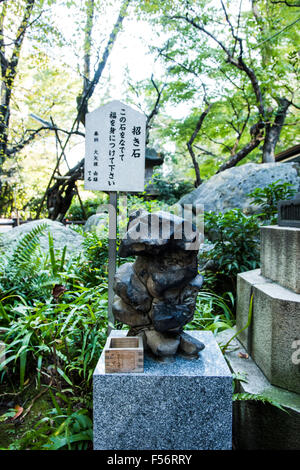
x,y
3,59
238,63
273,132
241,154
32,134
155,109
90,86
205,151
191,141
13,63
236,38
293,5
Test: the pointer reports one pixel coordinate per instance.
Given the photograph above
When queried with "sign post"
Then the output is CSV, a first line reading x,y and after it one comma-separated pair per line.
x,y
114,161
112,253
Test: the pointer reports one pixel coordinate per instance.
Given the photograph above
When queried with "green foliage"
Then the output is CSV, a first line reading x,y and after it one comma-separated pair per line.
x,y
62,429
235,236
54,332
63,336
171,191
198,39
90,207
236,242
244,396
212,312
96,250
267,198
257,397
22,270
26,249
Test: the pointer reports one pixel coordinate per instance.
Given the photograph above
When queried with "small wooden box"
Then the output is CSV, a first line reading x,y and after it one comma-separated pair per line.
x,y
124,354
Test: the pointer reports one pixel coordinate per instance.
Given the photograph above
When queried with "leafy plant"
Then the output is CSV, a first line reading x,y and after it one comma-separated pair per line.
x,y
89,207
245,396
249,319
170,191
267,198
96,251
212,312
257,397
235,249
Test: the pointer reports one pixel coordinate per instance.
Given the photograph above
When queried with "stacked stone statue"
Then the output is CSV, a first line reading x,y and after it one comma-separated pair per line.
x,y
156,294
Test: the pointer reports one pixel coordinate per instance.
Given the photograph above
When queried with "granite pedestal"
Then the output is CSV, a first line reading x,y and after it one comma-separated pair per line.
x,y
173,405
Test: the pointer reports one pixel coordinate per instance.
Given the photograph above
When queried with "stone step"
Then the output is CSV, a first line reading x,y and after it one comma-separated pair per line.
x,y
280,255
273,337
258,425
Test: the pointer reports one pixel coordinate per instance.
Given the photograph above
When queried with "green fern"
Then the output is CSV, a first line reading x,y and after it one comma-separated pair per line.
x,y
26,248
257,397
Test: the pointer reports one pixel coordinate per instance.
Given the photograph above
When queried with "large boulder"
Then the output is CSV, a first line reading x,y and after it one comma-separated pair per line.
x,y
229,189
96,222
61,236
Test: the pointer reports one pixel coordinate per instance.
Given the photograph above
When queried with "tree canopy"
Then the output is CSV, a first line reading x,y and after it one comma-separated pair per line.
x,y
229,70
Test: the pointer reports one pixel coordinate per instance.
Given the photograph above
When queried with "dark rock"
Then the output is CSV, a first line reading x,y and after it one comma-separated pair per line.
x,y
173,270
169,317
153,233
189,294
140,267
186,295
128,286
156,295
162,345
126,314
190,345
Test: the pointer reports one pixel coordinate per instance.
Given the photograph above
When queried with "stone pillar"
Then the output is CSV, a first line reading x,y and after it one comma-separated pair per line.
x,y
280,255
274,333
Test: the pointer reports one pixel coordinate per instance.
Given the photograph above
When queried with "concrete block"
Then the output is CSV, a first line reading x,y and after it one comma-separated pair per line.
x,y
280,255
173,405
257,425
274,333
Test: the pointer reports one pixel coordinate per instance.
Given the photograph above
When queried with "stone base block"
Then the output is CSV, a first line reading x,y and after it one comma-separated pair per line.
x,y
280,255
177,404
273,337
257,425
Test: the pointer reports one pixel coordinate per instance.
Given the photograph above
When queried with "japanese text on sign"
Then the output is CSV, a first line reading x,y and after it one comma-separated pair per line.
x,y
115,148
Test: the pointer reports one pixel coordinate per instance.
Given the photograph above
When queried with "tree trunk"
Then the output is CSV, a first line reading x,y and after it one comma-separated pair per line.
x,y
8,75
273,131
191,142
59,195
240,155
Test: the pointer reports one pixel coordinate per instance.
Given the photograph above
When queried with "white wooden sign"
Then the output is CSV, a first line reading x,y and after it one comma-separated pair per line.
x,y
115,149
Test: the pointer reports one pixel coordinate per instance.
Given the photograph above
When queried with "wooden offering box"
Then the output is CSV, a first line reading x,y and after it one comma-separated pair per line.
x,y
124,354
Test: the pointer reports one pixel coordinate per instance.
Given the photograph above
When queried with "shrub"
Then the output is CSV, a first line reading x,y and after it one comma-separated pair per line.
x,y
90,206
235,238
171,191
53,323
267,198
